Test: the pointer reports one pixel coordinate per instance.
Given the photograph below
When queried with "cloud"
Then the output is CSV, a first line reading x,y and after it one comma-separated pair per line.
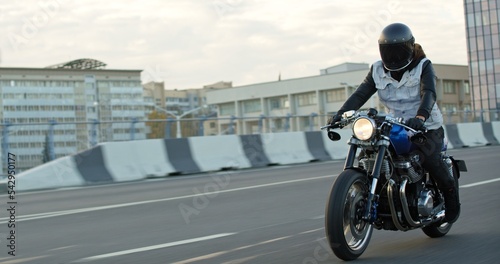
x,y
192,43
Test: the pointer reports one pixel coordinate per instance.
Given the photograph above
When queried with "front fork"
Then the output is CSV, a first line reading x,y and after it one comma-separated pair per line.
x,y
371,201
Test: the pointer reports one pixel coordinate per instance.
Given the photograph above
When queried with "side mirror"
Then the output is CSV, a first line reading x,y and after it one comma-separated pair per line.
x,y
333,136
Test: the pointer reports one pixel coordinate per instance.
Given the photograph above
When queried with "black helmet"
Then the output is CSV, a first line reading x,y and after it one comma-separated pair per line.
x,y
396,45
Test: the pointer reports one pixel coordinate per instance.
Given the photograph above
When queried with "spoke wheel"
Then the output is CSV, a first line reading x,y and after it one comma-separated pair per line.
x,y
347,233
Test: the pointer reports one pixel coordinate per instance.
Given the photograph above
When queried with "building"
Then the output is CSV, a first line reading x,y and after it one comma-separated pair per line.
x,y
303,104
190,105
179,101
154,94
77,103
483,44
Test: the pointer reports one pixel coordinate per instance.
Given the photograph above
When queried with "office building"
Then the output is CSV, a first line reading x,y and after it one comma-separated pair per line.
x,y
483,43
84,102
303,104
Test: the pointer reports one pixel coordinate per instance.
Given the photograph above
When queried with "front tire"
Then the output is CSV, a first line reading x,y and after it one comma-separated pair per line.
x,y
347,233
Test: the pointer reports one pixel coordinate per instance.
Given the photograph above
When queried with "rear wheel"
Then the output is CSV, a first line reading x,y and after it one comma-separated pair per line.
x,y
441,229
347,233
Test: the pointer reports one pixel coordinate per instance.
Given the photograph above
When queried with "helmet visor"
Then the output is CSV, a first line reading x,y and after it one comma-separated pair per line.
x,y
396,56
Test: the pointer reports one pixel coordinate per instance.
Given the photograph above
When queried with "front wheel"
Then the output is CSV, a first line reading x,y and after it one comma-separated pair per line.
x,y
347,233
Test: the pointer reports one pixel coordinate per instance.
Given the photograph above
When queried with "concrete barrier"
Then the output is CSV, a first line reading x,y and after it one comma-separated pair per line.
x,y
120,159
286,148
90,164
253,149
316,145
472,134
453,136
180,156
58,173
495,127
447,139
489,134
152,159
137,160
218,153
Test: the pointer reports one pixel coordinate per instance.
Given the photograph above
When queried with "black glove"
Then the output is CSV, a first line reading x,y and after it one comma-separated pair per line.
x,y
334,119
415,123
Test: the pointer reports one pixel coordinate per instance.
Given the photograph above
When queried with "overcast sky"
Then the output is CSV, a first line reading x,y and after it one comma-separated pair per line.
x,y
191,43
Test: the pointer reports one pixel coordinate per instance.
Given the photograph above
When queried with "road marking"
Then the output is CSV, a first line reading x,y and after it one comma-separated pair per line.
x,y
216,254
61,248
21,218
312,231
15,260
171,244
4,220
479,183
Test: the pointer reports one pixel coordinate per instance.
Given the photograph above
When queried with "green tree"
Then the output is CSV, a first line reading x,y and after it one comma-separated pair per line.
x,y
157,128
45,151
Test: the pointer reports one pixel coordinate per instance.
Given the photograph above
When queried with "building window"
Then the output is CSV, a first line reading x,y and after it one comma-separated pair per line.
x,y
449,107
466,88
449,87
252,106
278,102
337,95
227,109
306,99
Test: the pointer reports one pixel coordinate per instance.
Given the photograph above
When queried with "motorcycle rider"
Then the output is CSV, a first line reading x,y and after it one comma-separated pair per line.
x,y
406,84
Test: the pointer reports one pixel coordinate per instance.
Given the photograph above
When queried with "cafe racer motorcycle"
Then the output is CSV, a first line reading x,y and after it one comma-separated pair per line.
x,y
383,184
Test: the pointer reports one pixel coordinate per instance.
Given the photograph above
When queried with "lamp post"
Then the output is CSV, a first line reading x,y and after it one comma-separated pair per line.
x,y
311,121
178,117
231,125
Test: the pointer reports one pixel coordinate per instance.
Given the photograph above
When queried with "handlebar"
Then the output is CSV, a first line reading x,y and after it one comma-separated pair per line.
x,y
393,120
330,126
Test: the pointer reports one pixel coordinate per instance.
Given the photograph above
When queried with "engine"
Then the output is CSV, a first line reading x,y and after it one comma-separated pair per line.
x,y
425,202
410,166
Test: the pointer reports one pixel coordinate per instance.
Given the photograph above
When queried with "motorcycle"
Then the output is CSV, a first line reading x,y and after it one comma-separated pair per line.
x,y
385,186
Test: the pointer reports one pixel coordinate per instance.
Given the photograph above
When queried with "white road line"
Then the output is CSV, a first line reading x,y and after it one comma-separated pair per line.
x,y
171,244
21,218
216,254
479,183
311,231
4,220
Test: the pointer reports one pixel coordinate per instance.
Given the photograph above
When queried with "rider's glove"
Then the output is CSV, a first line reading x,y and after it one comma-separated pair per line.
x,y
334,119
415,123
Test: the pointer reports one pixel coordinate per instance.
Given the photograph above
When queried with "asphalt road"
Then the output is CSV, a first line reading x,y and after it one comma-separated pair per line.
x,y
269,215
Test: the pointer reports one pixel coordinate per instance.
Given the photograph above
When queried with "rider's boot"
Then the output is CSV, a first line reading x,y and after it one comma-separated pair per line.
x,y
452,204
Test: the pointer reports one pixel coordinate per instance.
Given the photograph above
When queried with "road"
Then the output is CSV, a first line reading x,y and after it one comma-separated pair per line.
x,y
268,215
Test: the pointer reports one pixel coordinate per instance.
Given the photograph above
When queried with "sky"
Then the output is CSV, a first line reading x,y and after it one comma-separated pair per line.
x,y
192,43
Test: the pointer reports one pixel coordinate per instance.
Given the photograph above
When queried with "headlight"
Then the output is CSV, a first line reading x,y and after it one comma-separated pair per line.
x,y
363,128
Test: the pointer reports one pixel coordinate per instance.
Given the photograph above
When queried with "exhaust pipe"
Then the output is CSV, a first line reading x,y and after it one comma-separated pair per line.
x,y
395,220
404,203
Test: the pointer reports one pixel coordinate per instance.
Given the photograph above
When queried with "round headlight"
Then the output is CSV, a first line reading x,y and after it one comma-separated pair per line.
x,y
363,128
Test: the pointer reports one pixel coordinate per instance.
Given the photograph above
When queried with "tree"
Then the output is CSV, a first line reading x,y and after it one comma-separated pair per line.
x,y
46,150
157,128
